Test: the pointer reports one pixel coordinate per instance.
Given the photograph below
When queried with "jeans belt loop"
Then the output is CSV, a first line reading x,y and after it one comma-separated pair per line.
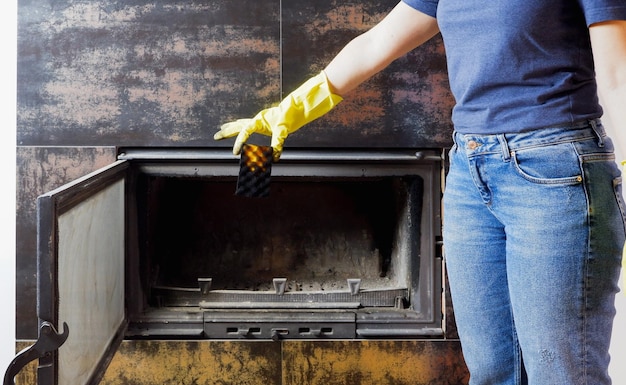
x,y
504,145
594,126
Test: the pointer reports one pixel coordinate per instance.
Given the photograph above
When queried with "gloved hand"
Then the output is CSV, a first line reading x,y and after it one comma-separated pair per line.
x,y
310,101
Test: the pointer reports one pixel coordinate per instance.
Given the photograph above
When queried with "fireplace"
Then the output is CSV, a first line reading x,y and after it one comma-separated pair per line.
x,y
345,246
158,246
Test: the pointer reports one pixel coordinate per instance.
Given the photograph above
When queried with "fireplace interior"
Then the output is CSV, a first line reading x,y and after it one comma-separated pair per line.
x,y
345,246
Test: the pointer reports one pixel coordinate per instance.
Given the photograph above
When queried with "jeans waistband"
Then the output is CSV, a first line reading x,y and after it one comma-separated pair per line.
x,y
475,144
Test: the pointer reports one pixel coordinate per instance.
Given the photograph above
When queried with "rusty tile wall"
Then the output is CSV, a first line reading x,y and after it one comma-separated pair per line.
x,y
288,363
426,362
373,363
167,73
142,73
97,74
195,362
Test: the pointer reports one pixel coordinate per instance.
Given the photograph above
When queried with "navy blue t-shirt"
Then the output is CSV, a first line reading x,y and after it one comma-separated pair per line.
x,y
520,65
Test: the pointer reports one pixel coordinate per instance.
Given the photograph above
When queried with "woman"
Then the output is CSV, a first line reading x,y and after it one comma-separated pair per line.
x,y
533,224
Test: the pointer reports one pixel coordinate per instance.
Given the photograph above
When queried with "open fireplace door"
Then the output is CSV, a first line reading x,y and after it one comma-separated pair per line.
x,y
81,280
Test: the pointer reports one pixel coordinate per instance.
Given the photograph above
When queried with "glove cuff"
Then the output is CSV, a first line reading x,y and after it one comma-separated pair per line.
x,y
309,101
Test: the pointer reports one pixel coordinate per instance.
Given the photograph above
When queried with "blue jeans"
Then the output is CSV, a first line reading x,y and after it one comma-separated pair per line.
x,y
533,237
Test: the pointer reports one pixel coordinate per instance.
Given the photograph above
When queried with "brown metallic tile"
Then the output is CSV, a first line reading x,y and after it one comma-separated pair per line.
x,y
417,362
28,374
195,362
141,73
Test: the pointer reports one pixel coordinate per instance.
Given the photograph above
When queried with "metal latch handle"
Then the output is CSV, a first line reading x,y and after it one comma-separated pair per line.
x,y
48,341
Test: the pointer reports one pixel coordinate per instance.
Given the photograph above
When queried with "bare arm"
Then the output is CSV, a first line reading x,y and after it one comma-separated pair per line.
x,y
402,30
608,41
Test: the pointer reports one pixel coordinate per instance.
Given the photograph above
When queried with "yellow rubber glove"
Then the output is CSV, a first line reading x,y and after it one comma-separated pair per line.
x,y
307,103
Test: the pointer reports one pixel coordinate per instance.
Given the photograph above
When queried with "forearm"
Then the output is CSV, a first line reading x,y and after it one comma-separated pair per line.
x,y
613,102
609,51
402,30
353,65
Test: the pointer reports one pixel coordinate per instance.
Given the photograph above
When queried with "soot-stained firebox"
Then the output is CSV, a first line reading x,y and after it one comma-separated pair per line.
x,y
345,246
158,245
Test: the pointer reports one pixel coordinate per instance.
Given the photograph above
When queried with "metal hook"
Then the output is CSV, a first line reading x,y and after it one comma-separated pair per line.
x,y
49,340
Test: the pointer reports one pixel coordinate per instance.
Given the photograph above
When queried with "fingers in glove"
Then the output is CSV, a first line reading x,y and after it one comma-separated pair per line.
x,y
278,140
230,129
242,137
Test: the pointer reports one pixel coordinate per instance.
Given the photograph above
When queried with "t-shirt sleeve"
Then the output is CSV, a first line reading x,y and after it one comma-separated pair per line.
x,y
597,11
428,7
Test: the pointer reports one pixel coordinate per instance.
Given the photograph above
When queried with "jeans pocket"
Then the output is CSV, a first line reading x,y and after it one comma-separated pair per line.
x,y
552,164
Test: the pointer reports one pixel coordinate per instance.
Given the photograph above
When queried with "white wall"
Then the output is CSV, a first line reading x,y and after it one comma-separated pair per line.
x,y
8,25
8,22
